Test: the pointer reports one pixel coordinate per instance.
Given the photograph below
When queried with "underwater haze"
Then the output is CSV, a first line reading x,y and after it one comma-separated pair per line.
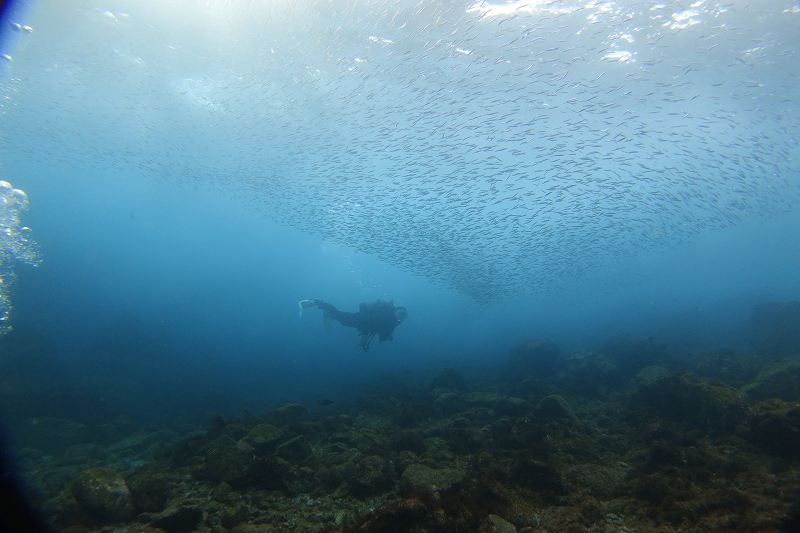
x,y
180,174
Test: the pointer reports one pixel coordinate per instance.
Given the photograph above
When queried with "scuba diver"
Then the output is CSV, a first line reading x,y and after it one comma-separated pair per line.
x,y
376,318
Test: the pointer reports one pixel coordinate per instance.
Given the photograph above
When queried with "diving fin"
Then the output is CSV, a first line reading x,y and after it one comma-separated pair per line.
x,y
305,304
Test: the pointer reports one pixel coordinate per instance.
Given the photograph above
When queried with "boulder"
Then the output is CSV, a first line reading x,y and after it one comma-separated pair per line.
x,y
290,413
775,427
179,519
554,407
371,476
689,400
295,449
422,478
104,495
227,460
651,374
496,524
149,490
780,380
263,437
500,404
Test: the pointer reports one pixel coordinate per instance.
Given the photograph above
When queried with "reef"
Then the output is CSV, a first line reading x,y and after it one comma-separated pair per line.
x,y
631,438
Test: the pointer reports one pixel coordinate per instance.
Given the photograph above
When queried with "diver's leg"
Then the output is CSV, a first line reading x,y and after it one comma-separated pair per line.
x,y
325,306
344,318
366,339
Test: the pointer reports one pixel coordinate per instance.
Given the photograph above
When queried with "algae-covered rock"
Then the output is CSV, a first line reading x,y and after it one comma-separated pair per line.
x,y
496,524
179,519
149,490
422,478
537,475
103,494
554,407
500,404
290,413
651,374
370,476
690,400
263,437
779,380
775,426
295,449
226,460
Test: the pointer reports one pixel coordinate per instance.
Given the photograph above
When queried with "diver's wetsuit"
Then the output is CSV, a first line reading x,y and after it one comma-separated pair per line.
x,y
376,318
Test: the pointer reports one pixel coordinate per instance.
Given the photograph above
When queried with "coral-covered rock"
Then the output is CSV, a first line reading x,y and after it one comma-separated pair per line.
x,y
103,494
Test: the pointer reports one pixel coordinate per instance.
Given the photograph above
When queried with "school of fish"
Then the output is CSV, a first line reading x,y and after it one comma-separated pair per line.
x,y
497,148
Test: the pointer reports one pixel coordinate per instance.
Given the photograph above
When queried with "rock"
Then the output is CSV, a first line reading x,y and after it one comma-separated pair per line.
x,y
148,490
226,460
502,405
780,380
143,442
651,374
295,449
103,494
554,407
448,402
421,478
775,426
534,358
496,524
729,366
263,437
181,519
405,515
776,329
537,475
449,379
290,413
371,476
689,400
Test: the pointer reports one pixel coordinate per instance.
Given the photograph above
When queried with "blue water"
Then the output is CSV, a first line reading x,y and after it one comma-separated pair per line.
x,y
171,270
